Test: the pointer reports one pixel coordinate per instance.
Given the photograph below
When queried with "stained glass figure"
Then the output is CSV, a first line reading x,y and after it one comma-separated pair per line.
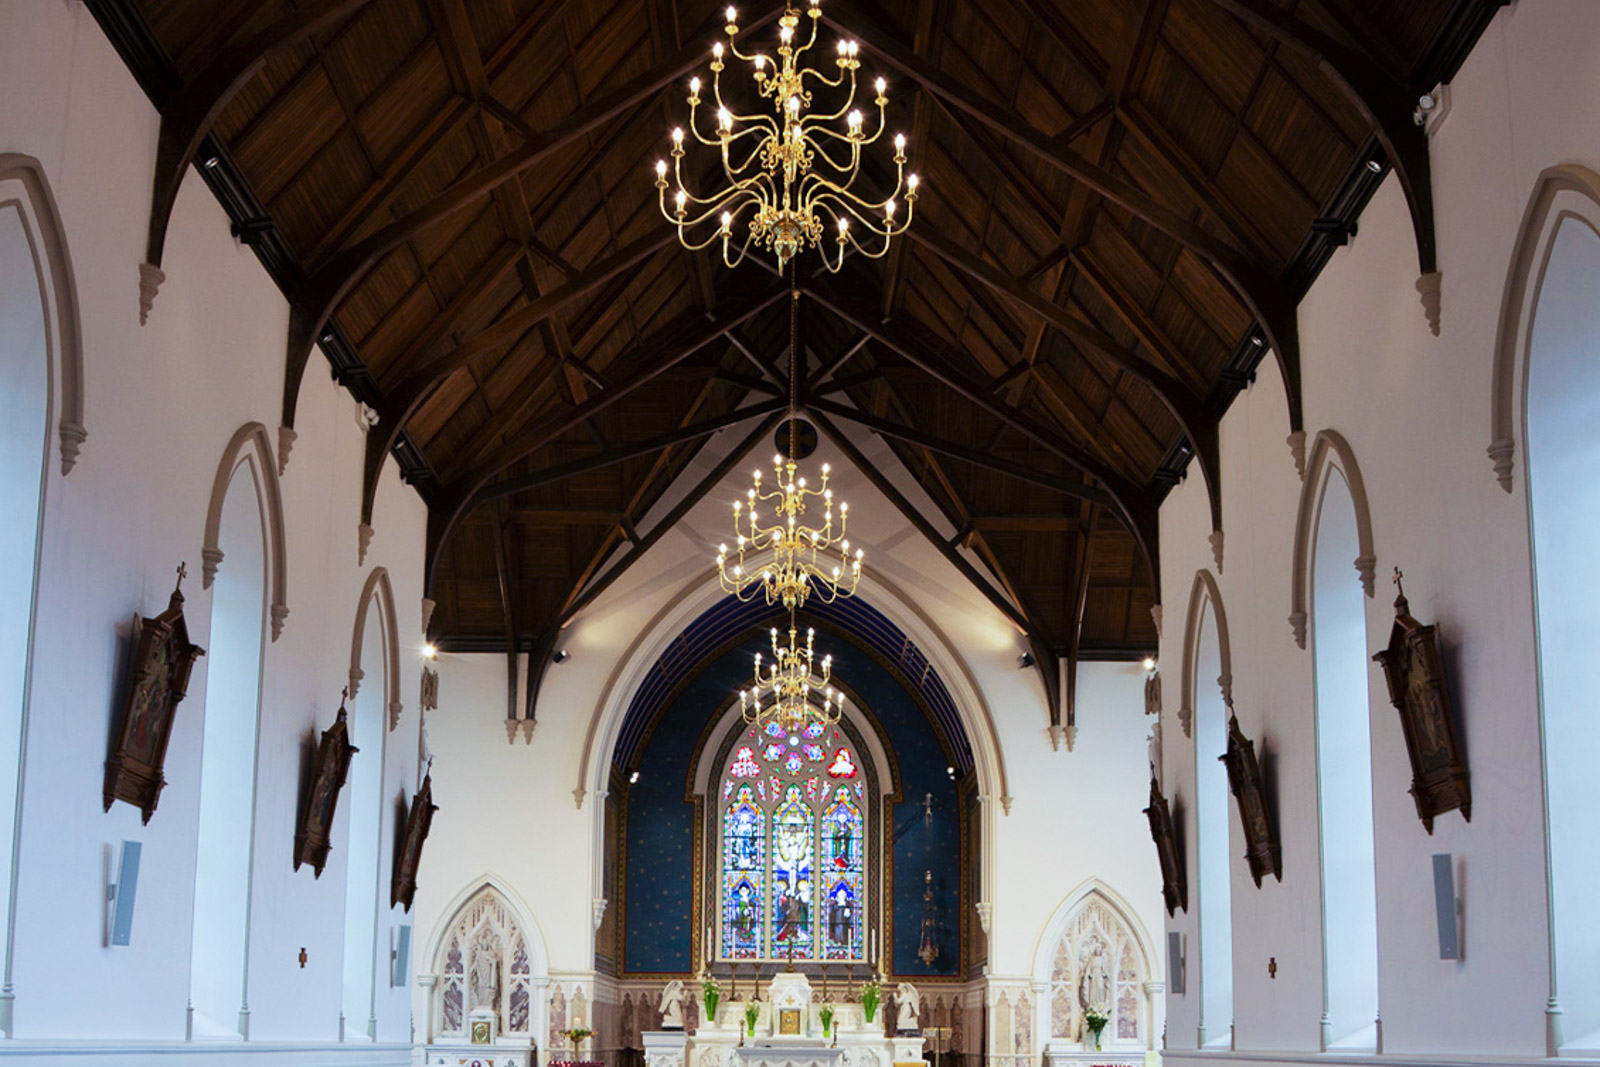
x,y
793,863
842,876
744,836
843,766
744,765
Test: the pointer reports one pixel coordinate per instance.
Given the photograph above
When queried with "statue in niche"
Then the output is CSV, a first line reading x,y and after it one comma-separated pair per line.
x,y
483,990
908,1007
1094,987
671,1006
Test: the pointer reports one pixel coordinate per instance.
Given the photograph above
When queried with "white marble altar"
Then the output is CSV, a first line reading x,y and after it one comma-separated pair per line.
x,y
788,1033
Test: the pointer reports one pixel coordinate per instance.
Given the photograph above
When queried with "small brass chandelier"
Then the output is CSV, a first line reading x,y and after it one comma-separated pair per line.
x,y
793,691
792,173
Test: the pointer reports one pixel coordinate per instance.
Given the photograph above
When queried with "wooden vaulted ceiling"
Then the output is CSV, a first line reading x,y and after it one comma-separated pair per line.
x,y
1123,202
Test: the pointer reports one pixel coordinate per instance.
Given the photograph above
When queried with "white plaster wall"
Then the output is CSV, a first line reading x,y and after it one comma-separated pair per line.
x,y
509,809
162,402
1415,410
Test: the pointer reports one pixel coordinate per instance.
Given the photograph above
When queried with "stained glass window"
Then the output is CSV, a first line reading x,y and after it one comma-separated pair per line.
x,y
842,878
794,872
744,837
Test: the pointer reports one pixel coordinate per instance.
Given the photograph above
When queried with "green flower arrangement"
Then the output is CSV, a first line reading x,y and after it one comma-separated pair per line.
x,y
711,993
871,997
1094,1021
577,1035
826,1015
752,1012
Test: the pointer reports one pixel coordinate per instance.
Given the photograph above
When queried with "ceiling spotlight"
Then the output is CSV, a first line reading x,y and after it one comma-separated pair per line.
x,y
1374,166
1025,661
1149,663
634,777
430,651
560,657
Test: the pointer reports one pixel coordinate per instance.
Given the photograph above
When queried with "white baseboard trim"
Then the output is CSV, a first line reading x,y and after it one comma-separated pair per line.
x,y
93,1053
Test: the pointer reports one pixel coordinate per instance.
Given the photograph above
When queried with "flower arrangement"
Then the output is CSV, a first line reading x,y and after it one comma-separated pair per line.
x,y
711,993
871,997
826,1015
752,1012
1094,1021
577,1035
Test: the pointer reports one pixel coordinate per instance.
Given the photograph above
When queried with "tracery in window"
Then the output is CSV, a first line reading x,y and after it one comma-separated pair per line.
x,y
794,876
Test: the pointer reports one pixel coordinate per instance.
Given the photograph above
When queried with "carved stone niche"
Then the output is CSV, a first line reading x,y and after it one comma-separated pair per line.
x,y
1415,674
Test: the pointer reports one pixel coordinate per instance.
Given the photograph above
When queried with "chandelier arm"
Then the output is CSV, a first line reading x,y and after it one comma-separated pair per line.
x,y
822,79
817,148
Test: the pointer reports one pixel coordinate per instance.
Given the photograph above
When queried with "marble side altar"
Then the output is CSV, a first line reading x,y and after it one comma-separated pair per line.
x,y
788,1033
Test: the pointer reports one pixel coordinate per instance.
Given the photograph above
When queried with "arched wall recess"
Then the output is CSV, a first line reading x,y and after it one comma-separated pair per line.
x,y
1562,192
1067,910
487,893
22,182
250,445
1203,592
377,587
1329,452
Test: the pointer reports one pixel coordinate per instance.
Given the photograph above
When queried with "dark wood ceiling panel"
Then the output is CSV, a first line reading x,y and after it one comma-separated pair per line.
x,y
1024,354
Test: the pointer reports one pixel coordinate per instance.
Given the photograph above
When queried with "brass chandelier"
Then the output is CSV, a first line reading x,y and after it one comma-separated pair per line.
x,y
790,173
793,691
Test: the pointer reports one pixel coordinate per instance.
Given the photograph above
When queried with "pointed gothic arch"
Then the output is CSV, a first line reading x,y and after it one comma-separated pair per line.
x,y
1330,452
1094,915
1204,592
23,186
486,915
250,445
1566,191
378,587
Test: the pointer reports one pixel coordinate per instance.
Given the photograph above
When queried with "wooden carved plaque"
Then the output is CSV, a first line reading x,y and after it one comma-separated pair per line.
x,y
1261,849
162,662
311,840
418,820
1413,670
1174,881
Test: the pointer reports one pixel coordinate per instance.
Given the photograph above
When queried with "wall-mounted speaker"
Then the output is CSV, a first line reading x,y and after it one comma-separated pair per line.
x,y
399,955
1445,906
121,893
1175,962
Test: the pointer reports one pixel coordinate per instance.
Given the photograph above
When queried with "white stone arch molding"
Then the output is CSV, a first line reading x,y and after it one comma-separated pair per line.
x,y
377,588
1566,191
23,185
693,597
438,937
1203,592
1330,452
250,446
1067,910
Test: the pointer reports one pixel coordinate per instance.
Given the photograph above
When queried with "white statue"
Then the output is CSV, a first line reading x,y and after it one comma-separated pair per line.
x,y
484,988
671,1006
908,1005
1094,988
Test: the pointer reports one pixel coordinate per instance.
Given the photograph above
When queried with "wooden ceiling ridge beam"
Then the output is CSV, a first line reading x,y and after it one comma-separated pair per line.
x,y
666,352
397,406
189,114
1187,406
1266,295
544,645
314,302
975,456
1384,99
1133,502
1015,613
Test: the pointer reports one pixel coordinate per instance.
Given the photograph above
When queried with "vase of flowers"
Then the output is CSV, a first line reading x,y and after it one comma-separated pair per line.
x,y
577,1035
752,1012
1094,1021
826,1015
711,994
871,997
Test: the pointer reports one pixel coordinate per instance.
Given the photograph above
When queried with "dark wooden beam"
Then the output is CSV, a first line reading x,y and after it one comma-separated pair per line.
x,y
1082,563
1273,305
661,353
502,572
188,116
333,279
1386,101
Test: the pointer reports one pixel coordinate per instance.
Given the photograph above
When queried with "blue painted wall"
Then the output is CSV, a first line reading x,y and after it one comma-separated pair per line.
x,y
658,875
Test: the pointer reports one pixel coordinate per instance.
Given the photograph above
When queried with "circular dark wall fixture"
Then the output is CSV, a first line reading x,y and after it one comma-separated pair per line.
x,y
805,439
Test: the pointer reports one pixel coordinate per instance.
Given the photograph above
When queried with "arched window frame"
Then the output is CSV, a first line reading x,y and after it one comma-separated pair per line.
x,y
250,441
1562,193
379,590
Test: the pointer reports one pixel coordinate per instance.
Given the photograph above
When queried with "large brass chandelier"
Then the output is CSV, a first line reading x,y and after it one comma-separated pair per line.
x,y
791,174
793,691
